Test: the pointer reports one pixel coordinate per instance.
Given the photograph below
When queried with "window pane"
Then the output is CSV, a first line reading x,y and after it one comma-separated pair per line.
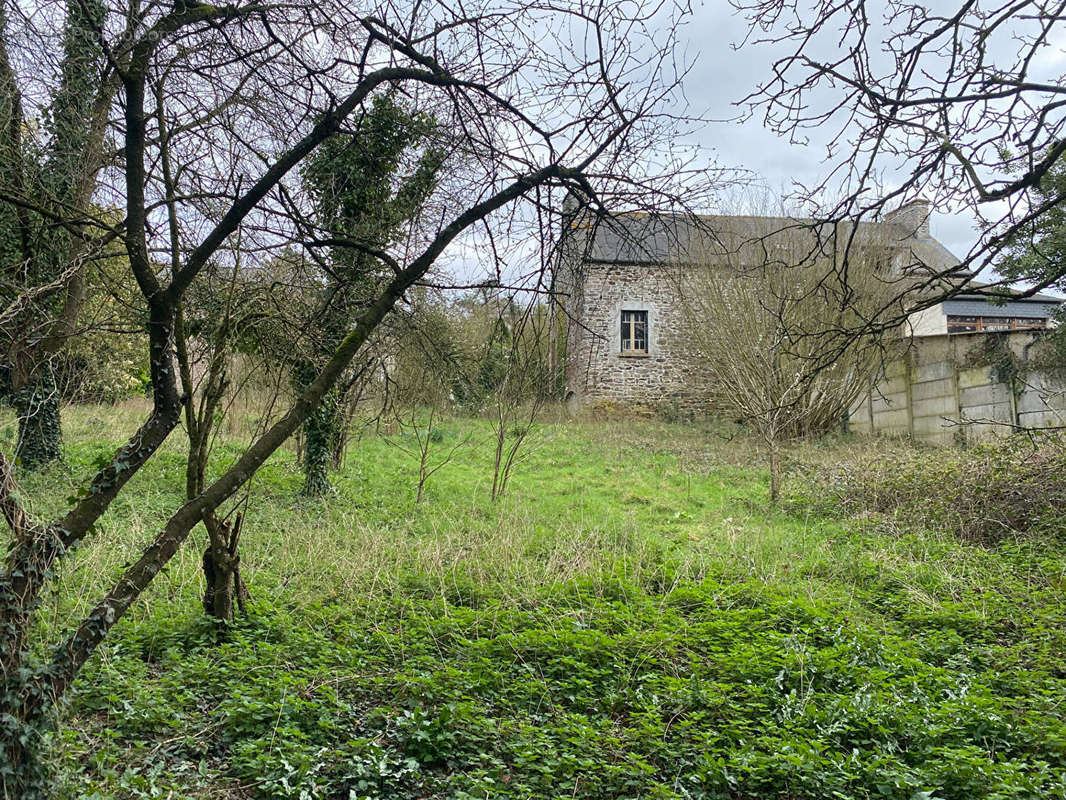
x,y
634,331
1030,322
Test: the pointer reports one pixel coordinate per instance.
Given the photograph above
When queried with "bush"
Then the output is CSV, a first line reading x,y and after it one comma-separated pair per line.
x,y
105,368
982,494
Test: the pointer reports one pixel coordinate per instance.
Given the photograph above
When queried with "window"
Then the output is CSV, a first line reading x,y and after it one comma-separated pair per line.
x,y
634,332
971,324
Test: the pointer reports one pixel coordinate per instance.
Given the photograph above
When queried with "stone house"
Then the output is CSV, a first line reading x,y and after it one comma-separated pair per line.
x,y
622,280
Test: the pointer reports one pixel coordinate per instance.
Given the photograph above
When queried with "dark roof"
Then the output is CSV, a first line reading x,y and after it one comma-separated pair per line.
x,y
980,305
678,239
673,238
1039,297
657,239
647,239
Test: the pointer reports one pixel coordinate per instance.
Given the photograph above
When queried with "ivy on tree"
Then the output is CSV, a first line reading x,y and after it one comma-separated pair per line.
x,y
53,175
366,186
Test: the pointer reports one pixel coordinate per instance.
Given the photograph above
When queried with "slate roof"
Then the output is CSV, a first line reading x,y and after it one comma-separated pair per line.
x,y
678,239
673,238
658,239
977,306
1039,297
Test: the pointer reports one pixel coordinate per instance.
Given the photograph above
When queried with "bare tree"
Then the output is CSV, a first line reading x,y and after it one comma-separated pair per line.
x,y
210,352
514,415
424,427
418,394
537,99
519,394
962,102
772,327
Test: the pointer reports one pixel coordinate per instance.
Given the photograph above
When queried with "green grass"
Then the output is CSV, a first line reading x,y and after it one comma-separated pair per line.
x,y
630,621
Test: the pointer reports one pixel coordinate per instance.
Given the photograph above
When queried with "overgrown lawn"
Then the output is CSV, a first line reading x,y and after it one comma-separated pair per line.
x,y
632,620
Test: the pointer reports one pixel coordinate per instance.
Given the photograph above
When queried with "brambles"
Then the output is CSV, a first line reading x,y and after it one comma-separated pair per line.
x,y
984,494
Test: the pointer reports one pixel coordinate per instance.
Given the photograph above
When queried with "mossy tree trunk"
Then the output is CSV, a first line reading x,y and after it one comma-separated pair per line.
x,y
39,430
320,437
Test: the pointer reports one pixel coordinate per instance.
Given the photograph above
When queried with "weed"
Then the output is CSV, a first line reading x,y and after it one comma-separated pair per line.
x,y
631,620
984,494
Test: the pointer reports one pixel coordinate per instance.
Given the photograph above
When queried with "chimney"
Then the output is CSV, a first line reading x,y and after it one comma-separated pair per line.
x,y
913,216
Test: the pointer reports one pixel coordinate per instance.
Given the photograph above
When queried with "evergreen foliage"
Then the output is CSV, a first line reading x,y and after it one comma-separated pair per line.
x,y
366,186
54,173
1036,254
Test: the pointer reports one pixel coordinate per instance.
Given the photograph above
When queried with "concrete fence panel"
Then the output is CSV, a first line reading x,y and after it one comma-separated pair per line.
x,y
942,392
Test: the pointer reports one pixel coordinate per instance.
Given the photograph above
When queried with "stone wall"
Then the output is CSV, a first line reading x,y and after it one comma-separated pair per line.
x,y
950,389
598,373
940,392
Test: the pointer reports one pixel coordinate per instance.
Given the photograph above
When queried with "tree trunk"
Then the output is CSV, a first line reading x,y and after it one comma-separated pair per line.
x,y
23,718
339,441
39,427
319,438
222,574
775,472
23,775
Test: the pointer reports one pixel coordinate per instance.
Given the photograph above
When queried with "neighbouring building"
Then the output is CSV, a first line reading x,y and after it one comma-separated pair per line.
x,y
976,313
623,277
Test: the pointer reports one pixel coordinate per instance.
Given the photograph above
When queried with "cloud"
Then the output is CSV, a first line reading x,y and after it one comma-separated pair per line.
x,y
723,75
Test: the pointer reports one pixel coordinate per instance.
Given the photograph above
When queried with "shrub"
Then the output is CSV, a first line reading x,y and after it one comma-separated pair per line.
x,y
103,368
982,494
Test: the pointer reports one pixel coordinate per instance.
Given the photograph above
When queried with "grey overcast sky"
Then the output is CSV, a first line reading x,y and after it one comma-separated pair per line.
x,y
722,76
